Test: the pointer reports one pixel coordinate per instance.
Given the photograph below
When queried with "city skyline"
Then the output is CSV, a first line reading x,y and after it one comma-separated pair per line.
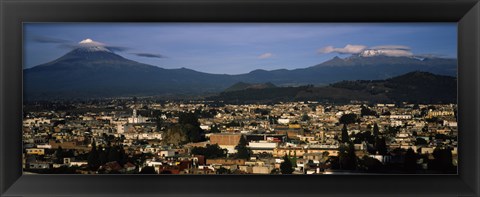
x,y
223,48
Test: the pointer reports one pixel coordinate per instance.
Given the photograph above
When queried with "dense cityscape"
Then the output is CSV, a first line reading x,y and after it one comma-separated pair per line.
x,y
243,98
147,136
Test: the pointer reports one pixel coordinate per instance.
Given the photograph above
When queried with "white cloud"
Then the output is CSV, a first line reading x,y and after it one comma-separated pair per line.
x,y
392,47
348,49
265,56
387,50
397,53
393,50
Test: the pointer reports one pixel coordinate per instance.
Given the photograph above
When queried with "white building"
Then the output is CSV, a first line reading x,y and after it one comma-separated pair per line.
x,y
450,123
401,116
205,127
166,153
432,113
122,128
136,118
44,146
395,123
283,121
154,164
35,121
262,146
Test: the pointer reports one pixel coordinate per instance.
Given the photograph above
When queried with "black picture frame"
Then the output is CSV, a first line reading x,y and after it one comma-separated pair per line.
x,y
14,12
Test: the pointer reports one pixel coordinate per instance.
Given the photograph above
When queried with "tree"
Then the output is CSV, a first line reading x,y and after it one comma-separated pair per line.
x,y
347,157
421,141
352,156
275,171
381,146
113,154
102,155
286,165
223,170
370,164
214,129
345,137
425,128
364,137
187,130
375,131
348,118
105,137
243,152
174,135
294,159
122,156
194,133
387,113
188,118
443,160
410,164
93,159
159,123
371,149
190,127
166,172
233,124
305,117
392,130
59,154
365,111
210,151
148,170
433,120
416,106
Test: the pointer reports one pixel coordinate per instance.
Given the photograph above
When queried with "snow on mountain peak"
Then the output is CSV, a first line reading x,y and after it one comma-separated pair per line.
x,y
90,45
386,52
88,40
369,53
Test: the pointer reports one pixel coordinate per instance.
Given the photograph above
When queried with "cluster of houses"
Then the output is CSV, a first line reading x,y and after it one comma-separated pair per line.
x,y
307,132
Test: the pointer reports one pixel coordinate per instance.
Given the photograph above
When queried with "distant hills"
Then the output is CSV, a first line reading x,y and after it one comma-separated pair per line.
x,y
413,87
95,72
353,68
245,86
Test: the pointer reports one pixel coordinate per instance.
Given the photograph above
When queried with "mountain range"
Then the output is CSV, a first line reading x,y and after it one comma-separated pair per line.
x,y
91,71
413,87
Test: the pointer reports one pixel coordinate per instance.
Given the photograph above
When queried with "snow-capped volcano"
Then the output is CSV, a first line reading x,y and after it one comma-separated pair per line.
x,y
90,45
88,53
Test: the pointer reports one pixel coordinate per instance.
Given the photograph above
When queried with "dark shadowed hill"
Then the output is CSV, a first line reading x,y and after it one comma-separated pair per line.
x,y
413,87
243,86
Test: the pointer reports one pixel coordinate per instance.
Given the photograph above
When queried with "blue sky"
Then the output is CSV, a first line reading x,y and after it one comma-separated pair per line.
x,y
234,48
